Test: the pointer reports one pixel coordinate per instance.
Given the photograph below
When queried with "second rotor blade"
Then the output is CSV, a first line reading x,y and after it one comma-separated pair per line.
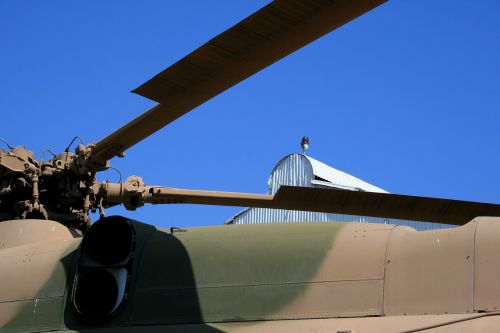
x,y
273,32
396,206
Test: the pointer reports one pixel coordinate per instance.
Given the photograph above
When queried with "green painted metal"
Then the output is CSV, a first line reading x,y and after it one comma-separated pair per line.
x,y
44,312
35,315
244,272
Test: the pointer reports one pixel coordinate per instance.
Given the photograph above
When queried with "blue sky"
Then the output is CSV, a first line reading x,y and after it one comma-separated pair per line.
x,y
406,97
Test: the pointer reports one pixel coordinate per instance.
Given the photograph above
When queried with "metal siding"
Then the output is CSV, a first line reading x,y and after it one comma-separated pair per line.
x,y
297,170
294,170
265,215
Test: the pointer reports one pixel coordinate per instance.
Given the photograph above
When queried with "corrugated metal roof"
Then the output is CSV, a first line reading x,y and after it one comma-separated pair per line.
x,y
339,178
302,170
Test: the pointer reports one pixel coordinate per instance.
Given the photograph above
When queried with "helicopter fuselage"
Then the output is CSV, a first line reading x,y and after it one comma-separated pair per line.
x,y
328,276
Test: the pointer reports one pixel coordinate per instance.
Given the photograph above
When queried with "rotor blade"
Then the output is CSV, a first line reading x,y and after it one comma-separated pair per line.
x,y
261,39
395,206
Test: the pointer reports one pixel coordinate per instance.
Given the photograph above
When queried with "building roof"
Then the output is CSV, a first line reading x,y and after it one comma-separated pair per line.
x,y
302,170
327,176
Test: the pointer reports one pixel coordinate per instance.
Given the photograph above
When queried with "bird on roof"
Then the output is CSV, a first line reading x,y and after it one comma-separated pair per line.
x,y
304,144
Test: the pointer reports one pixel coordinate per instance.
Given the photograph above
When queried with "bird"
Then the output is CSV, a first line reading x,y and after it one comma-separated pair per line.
x,y
304,144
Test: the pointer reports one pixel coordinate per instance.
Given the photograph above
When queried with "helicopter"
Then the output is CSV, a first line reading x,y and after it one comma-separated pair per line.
x,y
61,272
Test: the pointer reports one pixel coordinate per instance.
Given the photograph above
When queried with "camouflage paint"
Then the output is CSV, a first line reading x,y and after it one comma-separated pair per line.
x,y
257,272
247,278
180,277
34,262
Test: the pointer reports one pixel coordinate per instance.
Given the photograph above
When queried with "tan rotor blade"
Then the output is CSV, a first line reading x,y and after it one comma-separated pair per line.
x,y
273,32
336,201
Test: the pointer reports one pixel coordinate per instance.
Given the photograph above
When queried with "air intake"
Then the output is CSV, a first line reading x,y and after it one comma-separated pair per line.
x,y
101,282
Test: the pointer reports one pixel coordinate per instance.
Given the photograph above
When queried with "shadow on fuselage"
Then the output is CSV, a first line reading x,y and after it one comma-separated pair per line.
x,y
143,309
57,312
